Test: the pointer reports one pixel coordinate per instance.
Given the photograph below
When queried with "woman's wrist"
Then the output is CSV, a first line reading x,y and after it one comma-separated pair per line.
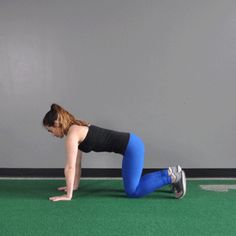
x,y
76,187
69,195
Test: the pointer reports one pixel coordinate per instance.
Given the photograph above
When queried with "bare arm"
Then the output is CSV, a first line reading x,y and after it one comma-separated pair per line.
x,y
77,173
70,167
78,170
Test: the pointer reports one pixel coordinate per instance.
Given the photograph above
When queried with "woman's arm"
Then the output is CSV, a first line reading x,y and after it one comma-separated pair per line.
x,y
70,167
77,173
78,170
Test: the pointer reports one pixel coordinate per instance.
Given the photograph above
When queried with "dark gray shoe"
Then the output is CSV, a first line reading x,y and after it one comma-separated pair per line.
x,y
180,186
174,170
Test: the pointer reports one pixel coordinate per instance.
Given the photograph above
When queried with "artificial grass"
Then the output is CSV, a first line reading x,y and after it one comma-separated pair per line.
x,y
100,207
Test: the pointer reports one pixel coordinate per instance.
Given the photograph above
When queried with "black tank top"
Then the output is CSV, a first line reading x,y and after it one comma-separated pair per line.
x,y
104,140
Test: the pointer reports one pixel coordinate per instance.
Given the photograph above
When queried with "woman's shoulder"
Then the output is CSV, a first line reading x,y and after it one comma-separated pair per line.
x,y
78,132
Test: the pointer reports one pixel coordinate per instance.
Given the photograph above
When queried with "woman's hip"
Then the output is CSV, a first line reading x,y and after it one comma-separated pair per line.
x,y
135,146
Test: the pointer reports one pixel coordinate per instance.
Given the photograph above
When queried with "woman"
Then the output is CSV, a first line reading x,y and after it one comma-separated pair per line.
x,y
83,137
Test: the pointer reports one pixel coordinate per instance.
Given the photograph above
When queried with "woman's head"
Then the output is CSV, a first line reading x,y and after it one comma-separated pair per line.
x,y
58,121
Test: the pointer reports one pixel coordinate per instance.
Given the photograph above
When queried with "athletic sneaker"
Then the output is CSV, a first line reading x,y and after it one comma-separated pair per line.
x,y
174,170
180,185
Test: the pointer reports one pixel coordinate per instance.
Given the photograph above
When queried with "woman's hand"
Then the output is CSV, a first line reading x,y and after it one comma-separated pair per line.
x,y
60,198
65,189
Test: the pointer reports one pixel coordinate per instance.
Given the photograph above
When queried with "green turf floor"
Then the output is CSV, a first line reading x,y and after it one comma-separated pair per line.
x,y
100,207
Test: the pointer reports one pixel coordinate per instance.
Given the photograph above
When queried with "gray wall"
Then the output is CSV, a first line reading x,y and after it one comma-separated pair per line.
x,y
162,69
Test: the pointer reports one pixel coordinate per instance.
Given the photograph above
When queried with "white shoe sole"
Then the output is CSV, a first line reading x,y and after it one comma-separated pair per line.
x,y
179,169
183,180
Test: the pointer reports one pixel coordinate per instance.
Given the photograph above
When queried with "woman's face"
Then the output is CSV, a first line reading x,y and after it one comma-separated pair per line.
x,y
55,131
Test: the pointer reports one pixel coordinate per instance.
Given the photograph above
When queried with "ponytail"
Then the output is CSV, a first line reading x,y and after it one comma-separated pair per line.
x,y
62,117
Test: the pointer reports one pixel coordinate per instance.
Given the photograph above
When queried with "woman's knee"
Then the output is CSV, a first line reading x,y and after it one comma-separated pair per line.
x,y
131,193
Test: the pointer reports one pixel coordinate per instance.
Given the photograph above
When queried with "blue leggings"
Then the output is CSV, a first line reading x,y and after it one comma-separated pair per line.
x,y
132,165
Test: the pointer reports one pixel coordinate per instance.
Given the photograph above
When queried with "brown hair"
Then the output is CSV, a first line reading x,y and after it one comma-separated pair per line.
x,y
62,117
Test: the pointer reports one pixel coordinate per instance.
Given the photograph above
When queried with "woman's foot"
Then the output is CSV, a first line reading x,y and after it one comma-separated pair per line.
x,y
174,170
178,181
